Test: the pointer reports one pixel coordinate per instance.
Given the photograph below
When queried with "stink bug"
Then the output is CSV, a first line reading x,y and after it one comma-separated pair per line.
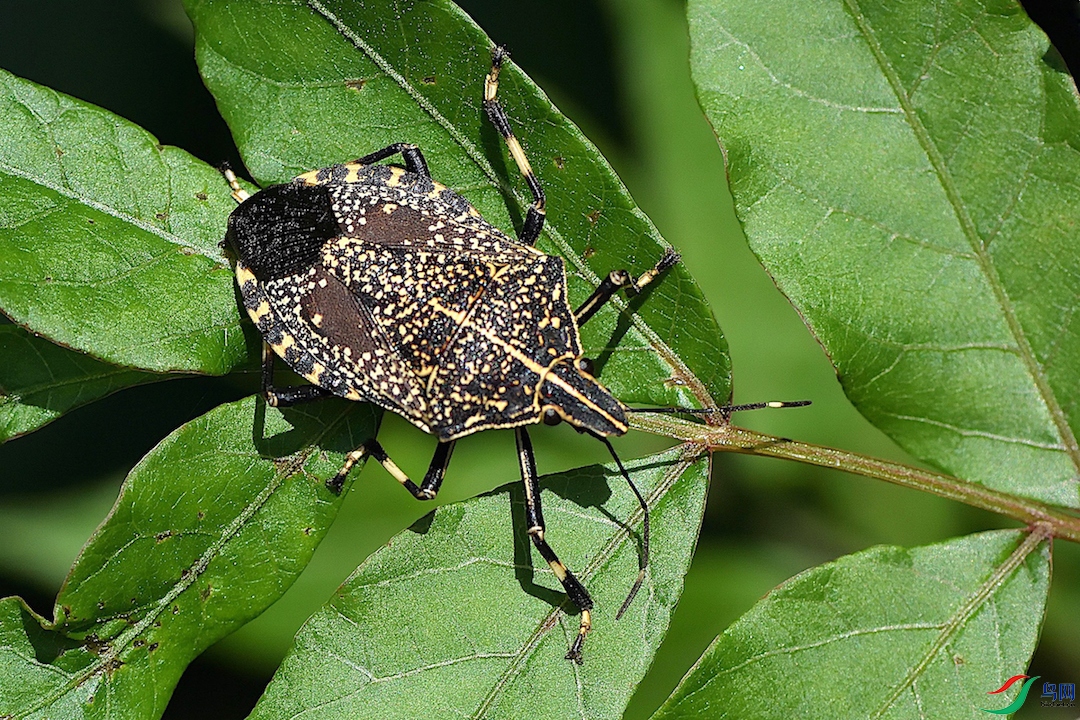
x,y
378,284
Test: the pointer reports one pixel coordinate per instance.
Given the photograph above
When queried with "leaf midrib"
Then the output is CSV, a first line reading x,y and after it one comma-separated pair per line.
x,y
967,227
967,610
174,240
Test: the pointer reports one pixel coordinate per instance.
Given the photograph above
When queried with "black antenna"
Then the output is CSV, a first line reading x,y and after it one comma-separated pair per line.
x,y
725,410
643,558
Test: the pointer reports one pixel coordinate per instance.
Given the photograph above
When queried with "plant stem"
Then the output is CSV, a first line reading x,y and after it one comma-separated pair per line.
x,y
729,438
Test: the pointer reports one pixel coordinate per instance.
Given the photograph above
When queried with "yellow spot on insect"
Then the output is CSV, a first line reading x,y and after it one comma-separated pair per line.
x,y
243,275
559,569
456,316
389,208
315,376
317,319
259,312
395,176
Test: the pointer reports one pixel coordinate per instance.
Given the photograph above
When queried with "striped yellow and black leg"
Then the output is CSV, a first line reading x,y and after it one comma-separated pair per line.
x,y
286,396
534,216
427,489
622,280
534,522
414,159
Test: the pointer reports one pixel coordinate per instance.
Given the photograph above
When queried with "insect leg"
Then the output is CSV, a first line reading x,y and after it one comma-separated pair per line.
x,y
436,471
622,280
534,217
287,396
428,489
534,521
414,159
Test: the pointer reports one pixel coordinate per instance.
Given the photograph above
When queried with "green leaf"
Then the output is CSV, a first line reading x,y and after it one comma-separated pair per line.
x,y
835,642
210,528
907,173
108,241
456,617
40,381
305,85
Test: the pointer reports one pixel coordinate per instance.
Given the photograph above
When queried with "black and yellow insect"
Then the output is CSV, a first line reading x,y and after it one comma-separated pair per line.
x,y
378,284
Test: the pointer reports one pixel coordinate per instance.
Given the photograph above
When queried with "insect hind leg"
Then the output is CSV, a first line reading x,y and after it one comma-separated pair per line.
x,y
427,490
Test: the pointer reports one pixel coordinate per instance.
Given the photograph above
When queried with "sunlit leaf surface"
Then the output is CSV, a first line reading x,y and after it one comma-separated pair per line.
x,y
837,641
108,240
907,173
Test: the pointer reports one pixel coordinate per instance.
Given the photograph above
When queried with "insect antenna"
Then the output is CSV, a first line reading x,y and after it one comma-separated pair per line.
x,y
725,410
643,558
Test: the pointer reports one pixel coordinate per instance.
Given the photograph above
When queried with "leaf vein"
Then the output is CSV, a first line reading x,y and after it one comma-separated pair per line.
x,y
967,226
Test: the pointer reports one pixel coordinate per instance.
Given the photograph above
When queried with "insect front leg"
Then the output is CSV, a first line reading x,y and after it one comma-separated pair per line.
x,y
287,396
414,159
427,490
622,280
534,522
534,216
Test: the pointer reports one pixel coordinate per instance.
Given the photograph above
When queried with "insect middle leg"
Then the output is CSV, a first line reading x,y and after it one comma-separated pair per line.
x,y
622,280
534,216
427,490
286,396
534,522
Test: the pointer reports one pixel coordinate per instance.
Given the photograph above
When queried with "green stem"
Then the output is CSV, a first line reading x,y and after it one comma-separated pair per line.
x,y
728,438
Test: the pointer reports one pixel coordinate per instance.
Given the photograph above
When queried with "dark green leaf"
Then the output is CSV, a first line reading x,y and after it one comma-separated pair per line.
x,y
108,241
305,85
836,642
40,381
210,528
907,172
455,617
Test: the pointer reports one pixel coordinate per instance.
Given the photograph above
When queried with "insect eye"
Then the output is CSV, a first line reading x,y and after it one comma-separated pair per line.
x,y
551,417
586,365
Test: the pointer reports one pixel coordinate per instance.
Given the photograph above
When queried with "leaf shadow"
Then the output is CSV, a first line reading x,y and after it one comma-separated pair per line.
x,y
48,644
311,425
622,326
586,487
